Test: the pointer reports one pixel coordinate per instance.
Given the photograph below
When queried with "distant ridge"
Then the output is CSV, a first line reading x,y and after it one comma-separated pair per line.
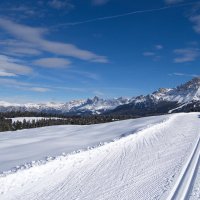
x,y
76,107
183,98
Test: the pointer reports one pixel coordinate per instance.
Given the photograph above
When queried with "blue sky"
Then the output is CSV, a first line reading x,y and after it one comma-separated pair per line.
x,y
58,50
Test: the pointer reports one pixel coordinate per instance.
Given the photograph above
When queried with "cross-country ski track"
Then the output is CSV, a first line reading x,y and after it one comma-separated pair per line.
x,y
157,158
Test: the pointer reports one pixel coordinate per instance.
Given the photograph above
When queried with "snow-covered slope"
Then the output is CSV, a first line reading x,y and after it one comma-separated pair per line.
x,y
150,164
90,106
39,143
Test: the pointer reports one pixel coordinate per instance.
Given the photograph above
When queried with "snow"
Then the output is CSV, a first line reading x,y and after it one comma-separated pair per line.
x,y
7,104
185,93
24,146
148,164
92,105
183,185
182,94
172,110
195,192
21,119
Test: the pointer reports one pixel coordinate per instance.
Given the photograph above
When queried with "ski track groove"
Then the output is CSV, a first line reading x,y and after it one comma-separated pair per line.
x,y
194,190
183,186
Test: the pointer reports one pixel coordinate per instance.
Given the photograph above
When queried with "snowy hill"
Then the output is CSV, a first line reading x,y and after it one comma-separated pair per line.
x,y
52,141
154,158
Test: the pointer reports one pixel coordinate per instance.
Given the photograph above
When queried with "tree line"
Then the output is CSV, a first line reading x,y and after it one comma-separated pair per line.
x,y
6,124
13,114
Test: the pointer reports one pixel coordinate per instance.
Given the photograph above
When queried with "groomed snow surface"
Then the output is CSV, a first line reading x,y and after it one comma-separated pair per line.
x,y
150,158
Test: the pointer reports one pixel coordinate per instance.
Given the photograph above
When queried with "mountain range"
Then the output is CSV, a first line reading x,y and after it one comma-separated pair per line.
x,y
76,107
183,98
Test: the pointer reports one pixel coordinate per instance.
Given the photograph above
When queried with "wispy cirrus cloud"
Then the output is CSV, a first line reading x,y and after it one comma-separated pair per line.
x,y
109,17
25,51
159,47
12,67
60,4
173,1
52,62
183,74
21,51
38,89
8,82
19,48
36,37
149,53
99,2
3,73
34,87
196,20
154,53
85,74
186,55
20,8
24,10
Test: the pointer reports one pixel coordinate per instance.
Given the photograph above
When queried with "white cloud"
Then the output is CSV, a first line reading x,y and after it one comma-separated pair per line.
x,y
13,83
14,43
60,4
39,89
184,74
24,10
8,82
99,2
13,66
196,21
193,43
186,55
173,1
22,51
153,55
35,36
98,93
25,33
85,74
8,74
159,46
19,48
52,62
135,12
149,53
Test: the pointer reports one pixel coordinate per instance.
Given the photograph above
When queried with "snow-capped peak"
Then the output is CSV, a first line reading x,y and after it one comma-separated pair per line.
x,y
186,92
182,94
95,105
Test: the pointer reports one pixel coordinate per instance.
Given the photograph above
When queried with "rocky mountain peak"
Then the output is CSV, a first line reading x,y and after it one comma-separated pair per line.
x,y
192,84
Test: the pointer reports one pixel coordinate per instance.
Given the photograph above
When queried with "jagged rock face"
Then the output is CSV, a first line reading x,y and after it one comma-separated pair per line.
x,y
181,94
187,92
161,101
89,106
183,98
